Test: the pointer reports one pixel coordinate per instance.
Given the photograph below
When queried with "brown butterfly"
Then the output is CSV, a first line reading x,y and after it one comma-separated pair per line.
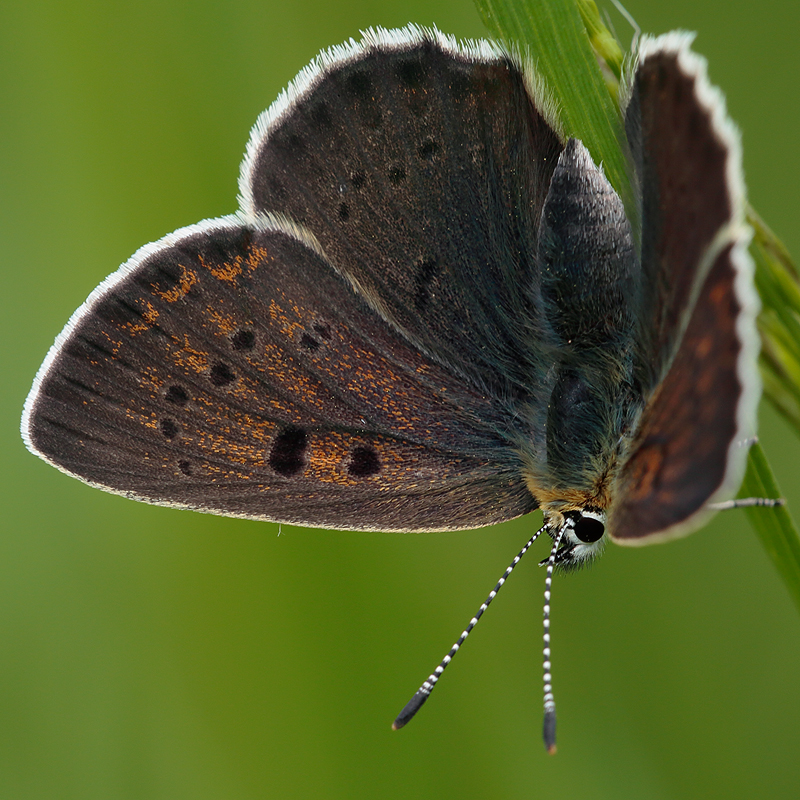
x,y
432,312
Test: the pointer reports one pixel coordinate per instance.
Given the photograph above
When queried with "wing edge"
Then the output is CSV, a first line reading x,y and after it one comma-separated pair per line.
x,y
746,408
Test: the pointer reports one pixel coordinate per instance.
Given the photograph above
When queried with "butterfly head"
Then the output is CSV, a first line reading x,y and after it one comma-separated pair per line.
x,y
583,535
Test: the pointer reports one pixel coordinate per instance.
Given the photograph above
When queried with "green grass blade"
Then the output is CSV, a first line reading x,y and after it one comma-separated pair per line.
x,y
779,322
774,526
602,41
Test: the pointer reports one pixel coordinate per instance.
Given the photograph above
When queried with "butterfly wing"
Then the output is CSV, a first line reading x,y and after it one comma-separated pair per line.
x,y
229,368
690,448
687,163
422,168
359,362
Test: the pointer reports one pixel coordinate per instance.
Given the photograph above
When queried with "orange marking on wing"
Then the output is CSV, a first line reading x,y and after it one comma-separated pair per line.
x,y
148,420
226,271
226,324
327,458
252,393
231,436
392,399
220,446
189,358
645,472
150,380
284,370
185,282
230,270
115,345
280,316
704,346
256,257
149,317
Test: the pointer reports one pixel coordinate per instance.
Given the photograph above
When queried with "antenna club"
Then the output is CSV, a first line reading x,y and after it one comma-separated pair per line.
x,y
411,708
549,731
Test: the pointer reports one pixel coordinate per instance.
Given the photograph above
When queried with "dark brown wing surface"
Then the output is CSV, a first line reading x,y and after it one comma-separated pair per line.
x,y
233,371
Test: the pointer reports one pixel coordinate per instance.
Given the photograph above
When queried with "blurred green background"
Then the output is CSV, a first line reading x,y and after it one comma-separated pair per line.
x,y
151,653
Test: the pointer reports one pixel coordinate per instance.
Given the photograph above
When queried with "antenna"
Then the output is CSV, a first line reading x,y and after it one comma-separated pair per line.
x,y
549,726
748,502
424,691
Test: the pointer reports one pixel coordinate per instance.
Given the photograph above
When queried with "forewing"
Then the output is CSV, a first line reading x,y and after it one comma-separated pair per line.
x,y
421,168
687,159
229,369
692,443
696,355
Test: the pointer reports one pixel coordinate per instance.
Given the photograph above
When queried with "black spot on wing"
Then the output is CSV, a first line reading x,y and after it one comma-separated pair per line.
x,y
221,374
288,449
243,340
177,395
169,428
364,462
309,342
428,149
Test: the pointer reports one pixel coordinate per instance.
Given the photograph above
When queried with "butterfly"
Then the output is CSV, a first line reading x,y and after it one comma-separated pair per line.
x,y
433,312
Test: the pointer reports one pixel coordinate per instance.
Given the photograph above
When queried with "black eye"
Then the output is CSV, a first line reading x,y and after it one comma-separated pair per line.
x,y
588,529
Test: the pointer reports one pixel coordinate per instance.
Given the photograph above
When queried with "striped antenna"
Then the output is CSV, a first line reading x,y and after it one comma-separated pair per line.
x,y
549,727
748,502
424,691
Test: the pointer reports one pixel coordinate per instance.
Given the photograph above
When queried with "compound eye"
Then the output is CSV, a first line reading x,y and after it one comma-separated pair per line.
x,y
588,529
